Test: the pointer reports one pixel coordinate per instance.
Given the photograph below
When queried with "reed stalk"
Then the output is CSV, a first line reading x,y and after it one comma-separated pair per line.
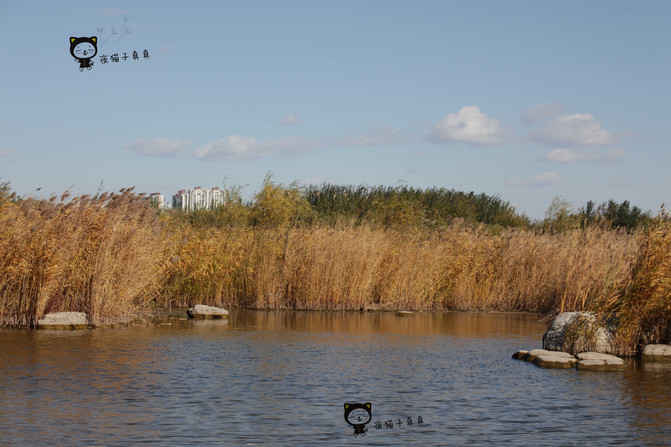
x,y
640,303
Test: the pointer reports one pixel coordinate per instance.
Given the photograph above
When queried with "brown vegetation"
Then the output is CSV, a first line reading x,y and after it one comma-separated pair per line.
x,y
114,257
102,256
352,267
641,305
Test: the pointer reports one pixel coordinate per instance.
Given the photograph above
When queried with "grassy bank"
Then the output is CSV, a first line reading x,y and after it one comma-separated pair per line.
x,y
115,257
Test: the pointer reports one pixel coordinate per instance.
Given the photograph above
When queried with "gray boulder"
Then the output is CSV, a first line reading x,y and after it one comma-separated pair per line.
x,y
206,312
577,332
63,320
657,352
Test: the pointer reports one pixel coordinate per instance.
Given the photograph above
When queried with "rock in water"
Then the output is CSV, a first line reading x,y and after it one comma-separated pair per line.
x,y
555,360
531,355
591,361
657,352
595,361
546,359
202,311
577,332
63,320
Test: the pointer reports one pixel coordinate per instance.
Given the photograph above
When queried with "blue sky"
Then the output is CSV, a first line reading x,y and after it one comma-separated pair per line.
x,y
527,100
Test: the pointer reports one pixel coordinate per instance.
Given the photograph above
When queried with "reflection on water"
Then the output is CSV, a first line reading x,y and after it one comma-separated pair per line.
x,y
282,378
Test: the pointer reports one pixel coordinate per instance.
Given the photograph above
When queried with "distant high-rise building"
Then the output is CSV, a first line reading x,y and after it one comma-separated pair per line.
x,y
197,199
158,199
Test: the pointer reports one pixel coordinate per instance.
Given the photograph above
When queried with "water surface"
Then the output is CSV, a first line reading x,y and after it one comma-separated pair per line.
x,y
281,378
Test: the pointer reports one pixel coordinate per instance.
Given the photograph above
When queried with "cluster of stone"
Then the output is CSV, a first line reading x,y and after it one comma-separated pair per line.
x,y
591,361
206,312
555,339
577,332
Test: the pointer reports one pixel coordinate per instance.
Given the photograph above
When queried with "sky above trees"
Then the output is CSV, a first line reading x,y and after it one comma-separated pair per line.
x,y
526,100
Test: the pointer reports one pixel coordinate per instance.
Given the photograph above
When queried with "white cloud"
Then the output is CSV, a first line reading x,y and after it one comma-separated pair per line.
x,y
578,130
113,12
544,179
540,113
374,137
290,120
573,156
470,125
7,153
238,147
234,147
158,147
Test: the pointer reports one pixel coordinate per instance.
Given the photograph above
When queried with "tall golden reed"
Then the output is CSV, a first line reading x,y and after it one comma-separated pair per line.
x,y
112,257
353,267
102,256
641,303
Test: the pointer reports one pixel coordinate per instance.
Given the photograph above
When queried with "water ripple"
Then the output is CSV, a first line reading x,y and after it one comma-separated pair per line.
x,y
263,378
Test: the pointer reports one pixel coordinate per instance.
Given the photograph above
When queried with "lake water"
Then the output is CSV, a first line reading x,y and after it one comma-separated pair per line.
x,y
282,378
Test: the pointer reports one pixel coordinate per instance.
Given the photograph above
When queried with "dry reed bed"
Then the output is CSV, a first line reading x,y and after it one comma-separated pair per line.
x,y
359,267
641,304
114,259
102,256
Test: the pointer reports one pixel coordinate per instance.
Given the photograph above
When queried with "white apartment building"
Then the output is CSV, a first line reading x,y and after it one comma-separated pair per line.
x,y
158,199
197,199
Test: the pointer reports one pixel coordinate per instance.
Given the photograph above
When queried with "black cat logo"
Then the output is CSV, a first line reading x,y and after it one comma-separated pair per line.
x,y
358,415
83,49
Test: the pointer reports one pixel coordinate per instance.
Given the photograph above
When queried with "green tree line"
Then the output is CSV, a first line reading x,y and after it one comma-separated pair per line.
x,y
559,217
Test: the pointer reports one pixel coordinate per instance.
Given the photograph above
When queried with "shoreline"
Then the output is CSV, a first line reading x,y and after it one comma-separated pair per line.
x,y
160,315
117,259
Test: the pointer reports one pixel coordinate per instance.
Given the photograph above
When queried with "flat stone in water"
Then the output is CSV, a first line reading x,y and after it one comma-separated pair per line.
x,y
546,359
657,352
206,312
598,356
590,361
553,360
531,355
594,361
63,320
599,365
404,313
